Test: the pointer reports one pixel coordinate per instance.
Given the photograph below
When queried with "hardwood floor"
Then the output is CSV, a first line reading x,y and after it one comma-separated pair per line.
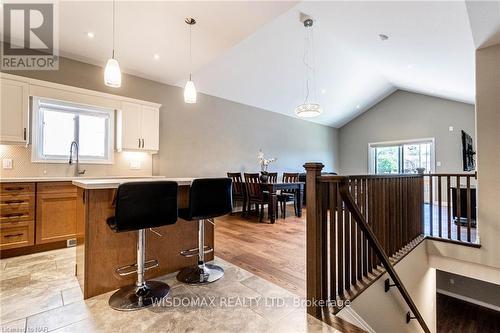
x,y
275,252
454,315
444,225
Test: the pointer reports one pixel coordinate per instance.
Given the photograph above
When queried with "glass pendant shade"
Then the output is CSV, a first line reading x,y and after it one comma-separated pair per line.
x,y
190,93
308,110
112,74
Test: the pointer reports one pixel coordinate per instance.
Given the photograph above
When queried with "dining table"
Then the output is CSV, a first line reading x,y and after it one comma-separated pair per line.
x,y
274,188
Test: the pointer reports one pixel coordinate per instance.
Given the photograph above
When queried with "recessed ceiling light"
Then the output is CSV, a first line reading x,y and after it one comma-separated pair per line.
x,y
90,35
383,37
156,56
323,91
358,106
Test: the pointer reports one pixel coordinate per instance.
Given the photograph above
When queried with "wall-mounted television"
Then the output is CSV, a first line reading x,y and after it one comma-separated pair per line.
x,y
468,152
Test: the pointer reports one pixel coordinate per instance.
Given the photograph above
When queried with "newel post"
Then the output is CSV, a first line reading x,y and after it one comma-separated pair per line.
x,y
314,244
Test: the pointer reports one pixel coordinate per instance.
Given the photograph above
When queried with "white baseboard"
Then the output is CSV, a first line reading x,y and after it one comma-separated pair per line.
x,y
469,300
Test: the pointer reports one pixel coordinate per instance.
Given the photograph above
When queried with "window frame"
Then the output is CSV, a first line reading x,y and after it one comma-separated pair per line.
x,y
73,108
373,145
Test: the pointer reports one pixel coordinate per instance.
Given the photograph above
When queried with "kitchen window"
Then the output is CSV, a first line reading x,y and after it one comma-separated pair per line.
x,y
400,157
57,124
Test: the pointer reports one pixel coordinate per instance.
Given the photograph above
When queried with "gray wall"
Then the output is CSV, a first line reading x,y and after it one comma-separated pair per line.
x,y
405,115
215,135
471,288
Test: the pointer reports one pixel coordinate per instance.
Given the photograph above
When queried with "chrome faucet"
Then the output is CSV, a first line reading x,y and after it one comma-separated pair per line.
x,y
78,172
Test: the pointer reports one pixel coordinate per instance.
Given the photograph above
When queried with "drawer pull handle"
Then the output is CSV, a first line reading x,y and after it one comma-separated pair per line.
x,y
13,235
13,215
13,201
18,188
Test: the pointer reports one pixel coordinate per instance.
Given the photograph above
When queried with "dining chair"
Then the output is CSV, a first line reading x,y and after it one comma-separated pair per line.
x,y
255,195
239,190
288,195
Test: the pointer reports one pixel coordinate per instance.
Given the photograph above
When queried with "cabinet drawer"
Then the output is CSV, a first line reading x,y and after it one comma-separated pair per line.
x,y
14,235
17,201
16,188
14,215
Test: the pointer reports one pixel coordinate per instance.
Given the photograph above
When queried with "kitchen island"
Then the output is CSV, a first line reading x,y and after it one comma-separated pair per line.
x,y
100,251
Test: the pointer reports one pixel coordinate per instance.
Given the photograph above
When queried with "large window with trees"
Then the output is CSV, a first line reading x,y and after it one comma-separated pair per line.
x,y
401,156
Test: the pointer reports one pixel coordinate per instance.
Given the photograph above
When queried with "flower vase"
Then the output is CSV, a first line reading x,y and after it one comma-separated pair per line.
x,y
264,177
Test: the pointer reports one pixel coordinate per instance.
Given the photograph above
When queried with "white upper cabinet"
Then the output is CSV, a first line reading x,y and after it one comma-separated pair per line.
x,y
130,122
150,125
138,127
14,111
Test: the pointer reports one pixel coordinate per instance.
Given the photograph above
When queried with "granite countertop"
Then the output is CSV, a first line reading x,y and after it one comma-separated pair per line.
x,y
68,179
95,184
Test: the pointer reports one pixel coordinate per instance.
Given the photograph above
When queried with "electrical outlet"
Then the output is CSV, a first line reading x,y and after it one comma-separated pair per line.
x,y
135,165
438,163
7,163
450,128
452,281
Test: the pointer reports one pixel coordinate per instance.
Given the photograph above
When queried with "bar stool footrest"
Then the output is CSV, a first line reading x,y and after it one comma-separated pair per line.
x,y
131,269
194,252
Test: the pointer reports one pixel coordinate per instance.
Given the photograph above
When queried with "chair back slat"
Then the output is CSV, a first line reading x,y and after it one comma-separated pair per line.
x,y
290,177
273,177
252,183
238,184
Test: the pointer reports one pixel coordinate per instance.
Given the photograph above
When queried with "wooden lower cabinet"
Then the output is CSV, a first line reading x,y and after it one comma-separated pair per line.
x,y
17,215
55,212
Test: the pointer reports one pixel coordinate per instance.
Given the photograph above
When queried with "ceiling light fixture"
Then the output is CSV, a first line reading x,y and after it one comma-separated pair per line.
x,y
190,89
383,37
90,35
308,109
358,106
156,56
112,72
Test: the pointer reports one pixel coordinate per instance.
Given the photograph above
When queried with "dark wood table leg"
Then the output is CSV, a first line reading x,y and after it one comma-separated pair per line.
x,y
298,198
271,206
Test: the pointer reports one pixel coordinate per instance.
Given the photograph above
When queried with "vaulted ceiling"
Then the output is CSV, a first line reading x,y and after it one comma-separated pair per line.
x,y
251,52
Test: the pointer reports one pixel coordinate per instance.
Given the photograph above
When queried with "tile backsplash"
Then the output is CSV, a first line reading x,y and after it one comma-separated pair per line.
x,y
125,164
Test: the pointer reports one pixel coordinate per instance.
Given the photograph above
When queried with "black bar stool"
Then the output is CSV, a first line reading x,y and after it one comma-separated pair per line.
x,y
140,206
208,198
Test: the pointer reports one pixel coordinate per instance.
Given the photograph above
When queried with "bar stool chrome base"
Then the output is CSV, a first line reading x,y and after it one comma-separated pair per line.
x,y
130,298
200,274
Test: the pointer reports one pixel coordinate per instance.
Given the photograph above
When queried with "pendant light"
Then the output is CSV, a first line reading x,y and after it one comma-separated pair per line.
x,y
190,89
308,109
112,73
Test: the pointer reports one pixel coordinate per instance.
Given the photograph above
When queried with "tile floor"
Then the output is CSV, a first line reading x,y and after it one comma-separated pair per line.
x,y
39,293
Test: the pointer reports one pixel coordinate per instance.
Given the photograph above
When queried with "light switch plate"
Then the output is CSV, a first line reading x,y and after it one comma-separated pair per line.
x,y
135,165
438,163
7,163
450,128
